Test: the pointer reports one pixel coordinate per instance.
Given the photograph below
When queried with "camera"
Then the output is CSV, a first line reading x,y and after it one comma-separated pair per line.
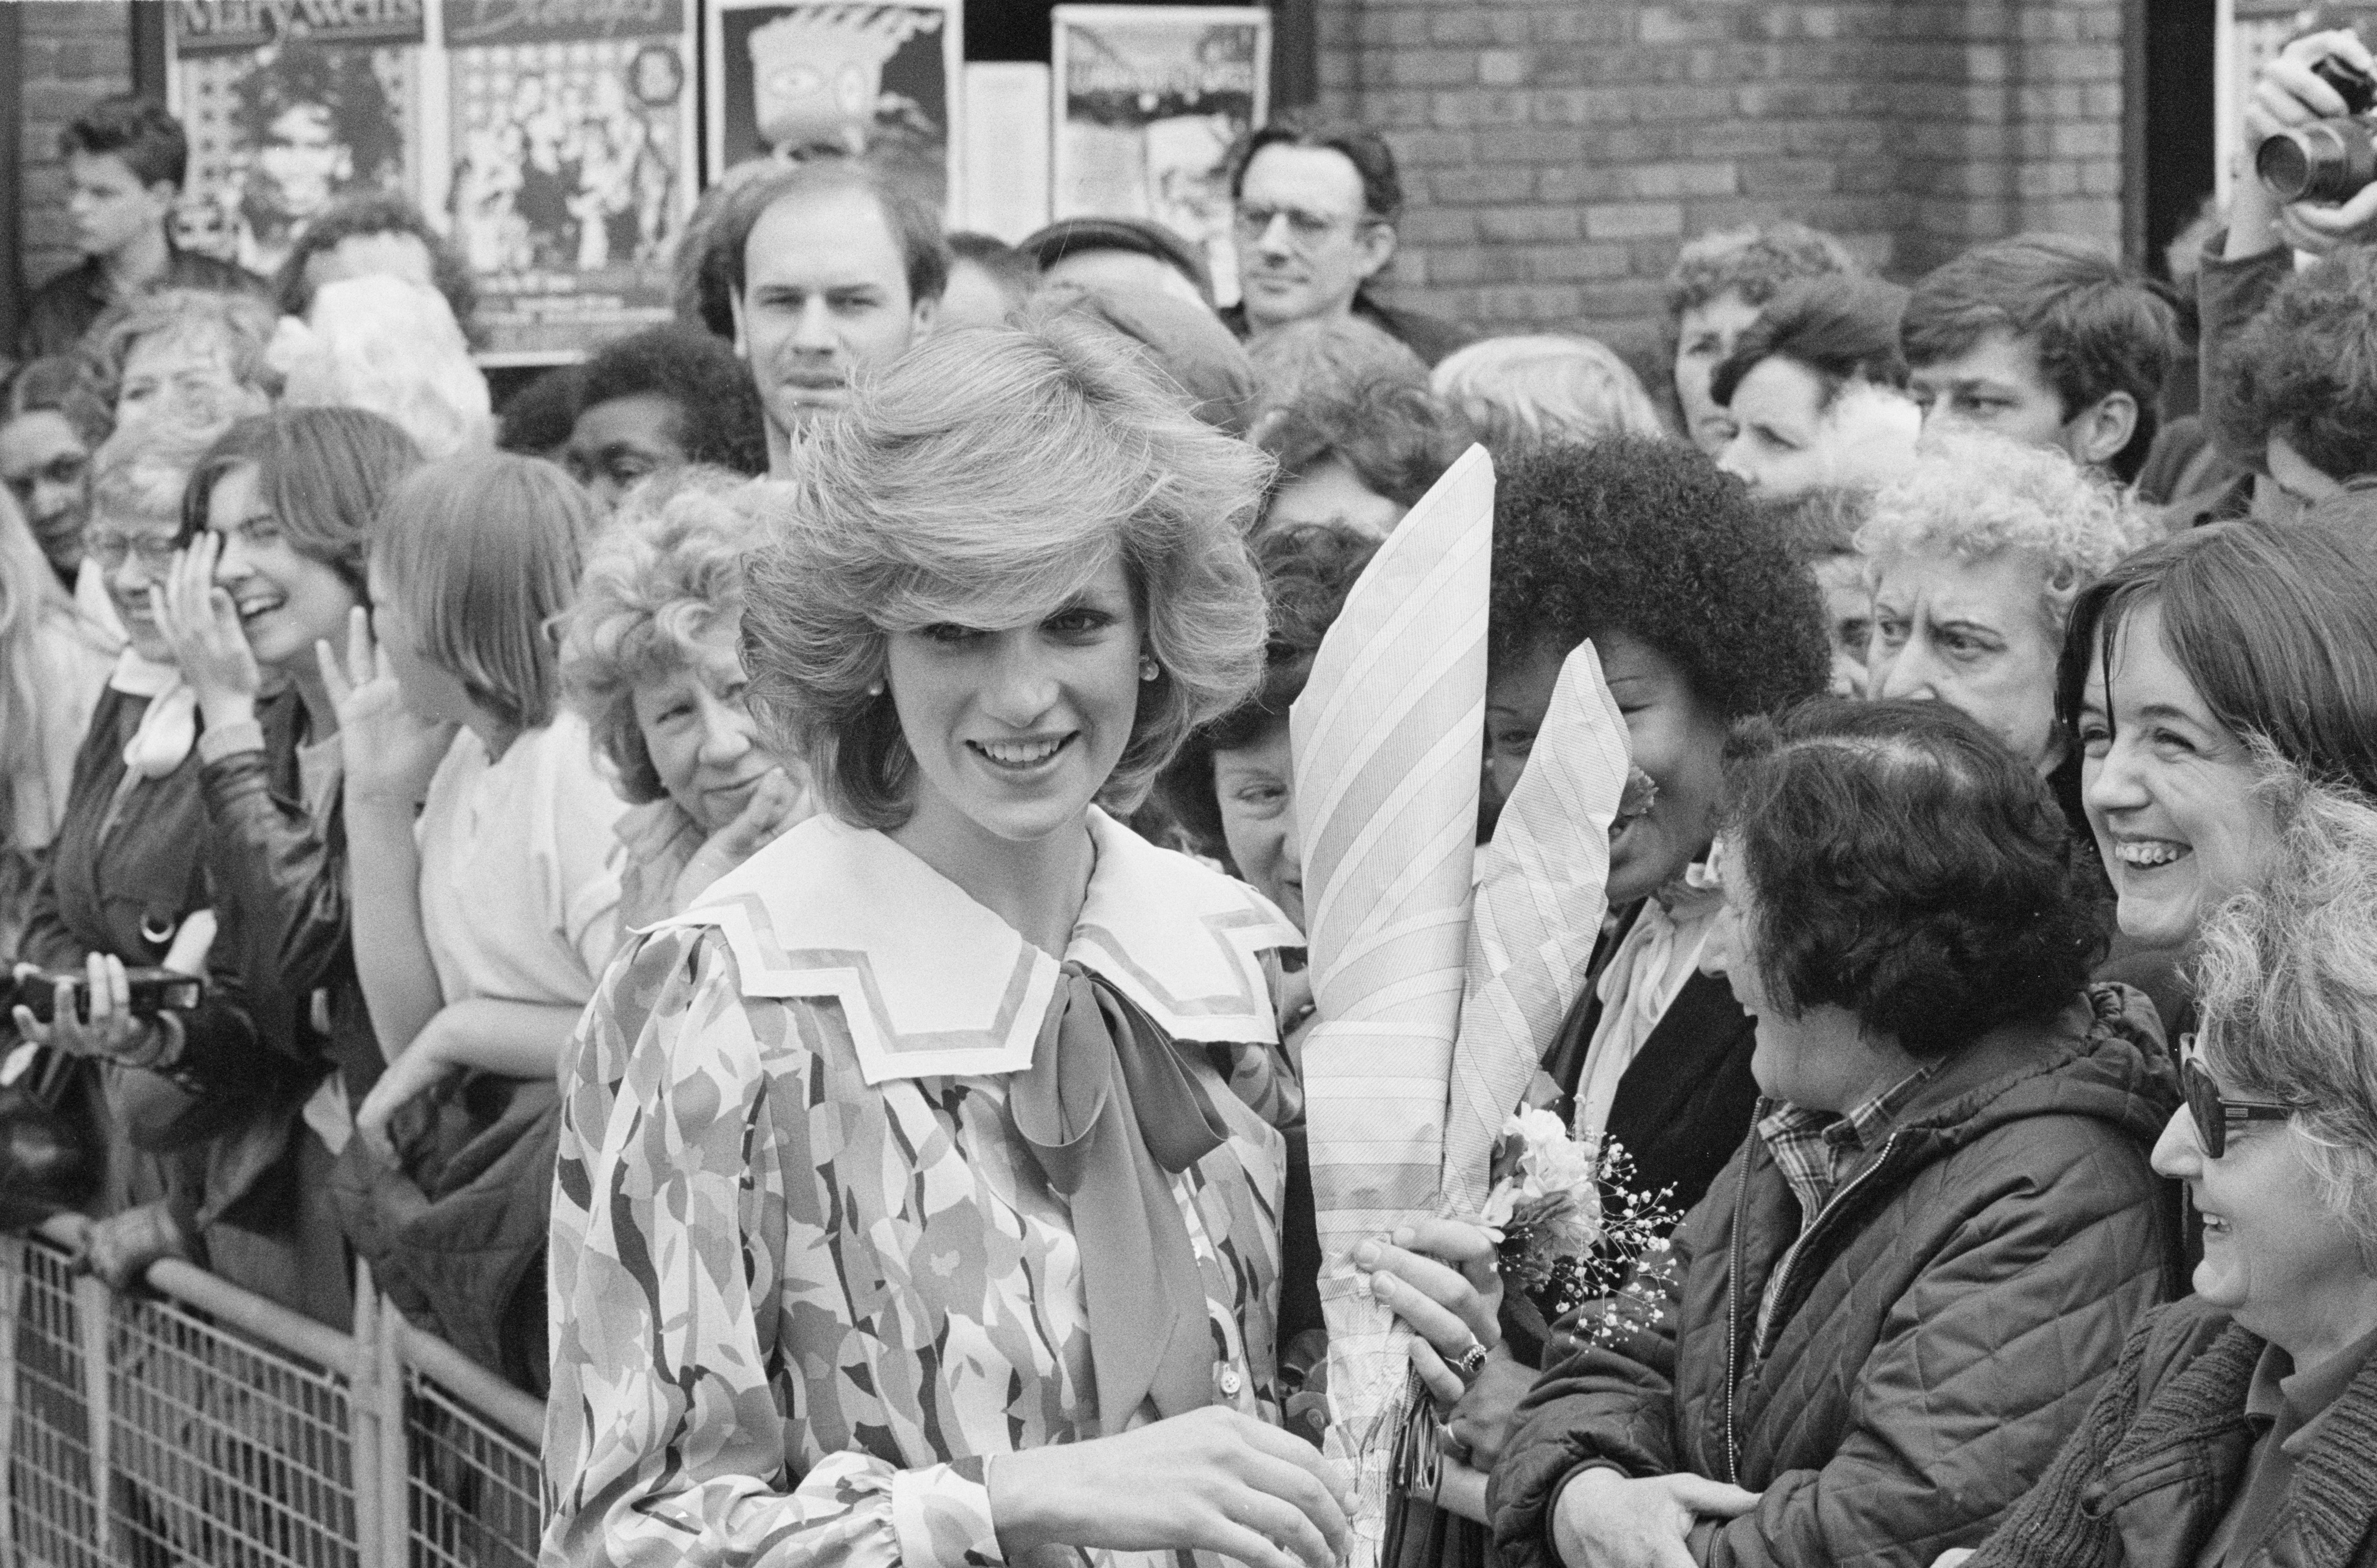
x,y
153,992
2327,161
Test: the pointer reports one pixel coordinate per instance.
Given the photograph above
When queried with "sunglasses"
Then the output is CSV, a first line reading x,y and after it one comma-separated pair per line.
x,y
2212,1113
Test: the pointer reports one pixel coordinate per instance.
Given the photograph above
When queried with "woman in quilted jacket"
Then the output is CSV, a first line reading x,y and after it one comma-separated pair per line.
x,y
1890,1309
2242,1423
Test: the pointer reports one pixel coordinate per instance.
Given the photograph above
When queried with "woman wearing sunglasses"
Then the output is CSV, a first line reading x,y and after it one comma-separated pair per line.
x,y
2242,1425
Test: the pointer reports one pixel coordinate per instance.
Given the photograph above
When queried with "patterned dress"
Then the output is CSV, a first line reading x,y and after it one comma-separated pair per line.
x,y
807,1277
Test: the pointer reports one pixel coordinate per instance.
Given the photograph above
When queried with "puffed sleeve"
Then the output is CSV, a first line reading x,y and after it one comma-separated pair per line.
x,y
674,1377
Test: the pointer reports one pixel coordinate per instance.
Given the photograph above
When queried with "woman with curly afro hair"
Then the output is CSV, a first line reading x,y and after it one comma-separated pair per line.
x,y
1702,614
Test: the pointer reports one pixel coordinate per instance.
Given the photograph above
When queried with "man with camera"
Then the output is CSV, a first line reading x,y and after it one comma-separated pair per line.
x,y
2290,359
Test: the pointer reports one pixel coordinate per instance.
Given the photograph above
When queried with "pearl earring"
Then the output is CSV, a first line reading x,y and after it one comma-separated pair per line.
x,y
875,689
1148,670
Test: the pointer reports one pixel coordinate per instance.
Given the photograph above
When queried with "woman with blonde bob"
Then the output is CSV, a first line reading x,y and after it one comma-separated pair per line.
x,y
911,1201
1545,387
1977,556
652,656
2240,1423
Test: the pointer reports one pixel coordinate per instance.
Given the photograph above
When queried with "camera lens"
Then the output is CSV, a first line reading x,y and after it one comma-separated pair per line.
x,y
2327,161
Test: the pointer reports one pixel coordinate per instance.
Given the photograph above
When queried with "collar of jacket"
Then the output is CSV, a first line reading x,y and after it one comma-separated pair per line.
x,y
932,983
2330,1507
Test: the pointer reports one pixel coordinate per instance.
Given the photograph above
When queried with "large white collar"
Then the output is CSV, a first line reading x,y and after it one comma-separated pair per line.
x,y
933,983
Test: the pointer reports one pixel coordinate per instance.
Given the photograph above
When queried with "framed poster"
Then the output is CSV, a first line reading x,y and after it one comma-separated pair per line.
x,y
1147,100
289,107
879,80
571,154
1005,144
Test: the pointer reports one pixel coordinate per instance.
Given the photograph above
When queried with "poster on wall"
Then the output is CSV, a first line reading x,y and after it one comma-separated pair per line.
x,y
798,79
1147,101
289,106
571,156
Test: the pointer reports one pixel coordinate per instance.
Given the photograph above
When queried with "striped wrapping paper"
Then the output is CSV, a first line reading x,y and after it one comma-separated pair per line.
x,y
1386,738
1543,887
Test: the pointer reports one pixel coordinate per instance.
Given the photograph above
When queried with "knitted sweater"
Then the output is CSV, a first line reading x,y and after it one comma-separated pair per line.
x,y
2155,1465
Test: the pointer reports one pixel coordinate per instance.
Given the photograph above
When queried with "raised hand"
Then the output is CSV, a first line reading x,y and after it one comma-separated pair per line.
x,y
110,1031
1213,1480
1441,1277
777,803
2289,93
390,751
202,623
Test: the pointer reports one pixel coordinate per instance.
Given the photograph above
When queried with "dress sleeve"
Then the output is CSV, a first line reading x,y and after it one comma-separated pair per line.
x,y
674,1381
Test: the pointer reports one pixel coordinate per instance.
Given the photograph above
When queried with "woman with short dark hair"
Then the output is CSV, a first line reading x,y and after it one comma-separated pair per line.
x,y
1878,1321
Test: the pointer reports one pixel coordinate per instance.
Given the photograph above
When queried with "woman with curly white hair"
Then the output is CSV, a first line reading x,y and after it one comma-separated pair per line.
x,y
652,656
914,1203
1975,555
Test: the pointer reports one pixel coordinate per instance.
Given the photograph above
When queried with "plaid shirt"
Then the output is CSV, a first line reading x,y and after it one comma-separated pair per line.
x,y
1815,1148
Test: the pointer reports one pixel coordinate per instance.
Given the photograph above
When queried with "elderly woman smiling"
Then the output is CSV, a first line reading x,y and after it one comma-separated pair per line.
x,y
1977,556
650,655
2240,1426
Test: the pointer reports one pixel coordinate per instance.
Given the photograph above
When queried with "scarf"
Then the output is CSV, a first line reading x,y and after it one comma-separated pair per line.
x,y
1110,1116
1658,955
169,726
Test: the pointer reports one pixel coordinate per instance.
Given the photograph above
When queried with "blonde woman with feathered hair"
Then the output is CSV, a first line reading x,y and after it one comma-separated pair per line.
x,y
914,1198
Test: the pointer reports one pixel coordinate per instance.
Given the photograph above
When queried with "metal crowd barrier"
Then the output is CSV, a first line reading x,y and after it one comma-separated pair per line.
x,y
206,1427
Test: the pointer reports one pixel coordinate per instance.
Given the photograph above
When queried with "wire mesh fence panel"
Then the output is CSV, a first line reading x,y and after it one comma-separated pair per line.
x,y
476,1497
53,1519
226,1452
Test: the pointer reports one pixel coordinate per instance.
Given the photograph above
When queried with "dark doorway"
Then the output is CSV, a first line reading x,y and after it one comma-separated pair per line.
x,y
2171,155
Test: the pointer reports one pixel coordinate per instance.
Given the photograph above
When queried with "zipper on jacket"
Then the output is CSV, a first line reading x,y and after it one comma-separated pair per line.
x,y
1733,1325
1781,1287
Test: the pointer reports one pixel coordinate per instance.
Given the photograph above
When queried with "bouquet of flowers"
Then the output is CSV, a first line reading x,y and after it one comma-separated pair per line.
x,y
1571,1225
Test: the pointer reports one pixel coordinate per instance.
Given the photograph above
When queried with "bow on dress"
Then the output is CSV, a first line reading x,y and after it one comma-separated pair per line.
x,y
1111,1115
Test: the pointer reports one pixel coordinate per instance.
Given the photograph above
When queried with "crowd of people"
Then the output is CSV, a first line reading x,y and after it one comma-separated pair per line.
x,y
758,885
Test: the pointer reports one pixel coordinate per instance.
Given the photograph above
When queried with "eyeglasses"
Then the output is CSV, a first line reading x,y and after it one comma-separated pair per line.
x,y
1305,229
2211,1111
110,548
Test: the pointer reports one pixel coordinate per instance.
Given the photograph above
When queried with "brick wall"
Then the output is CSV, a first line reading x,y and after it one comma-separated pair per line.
x,y
73,50
1557,152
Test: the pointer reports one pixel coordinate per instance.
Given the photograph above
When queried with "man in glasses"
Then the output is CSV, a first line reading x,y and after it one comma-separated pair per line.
x,y
1315,211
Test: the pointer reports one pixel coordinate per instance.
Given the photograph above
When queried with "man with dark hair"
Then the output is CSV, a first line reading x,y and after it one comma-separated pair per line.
x,y
2046,340
2301,392
660,399
369,234
1317,206
830,269
125,161
320,125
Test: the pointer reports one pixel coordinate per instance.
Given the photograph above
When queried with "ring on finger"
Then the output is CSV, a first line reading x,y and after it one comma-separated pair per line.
x,y
1472,1361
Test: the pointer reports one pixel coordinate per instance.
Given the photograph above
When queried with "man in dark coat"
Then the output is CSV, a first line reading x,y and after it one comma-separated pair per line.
x,y
125,161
